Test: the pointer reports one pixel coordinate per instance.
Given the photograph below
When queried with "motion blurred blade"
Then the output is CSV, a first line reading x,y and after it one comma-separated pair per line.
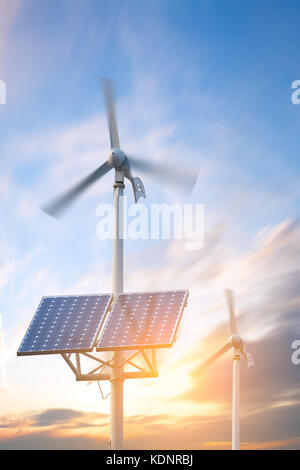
x,y
108,90
230,302
181,176
216,355
56,207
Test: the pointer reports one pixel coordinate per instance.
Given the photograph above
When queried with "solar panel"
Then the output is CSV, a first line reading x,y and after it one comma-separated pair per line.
x,y
65,324
143,320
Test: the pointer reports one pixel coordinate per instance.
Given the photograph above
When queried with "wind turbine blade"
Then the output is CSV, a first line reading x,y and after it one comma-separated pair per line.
x,y
176,175
230,303
216,355
108,90
58,205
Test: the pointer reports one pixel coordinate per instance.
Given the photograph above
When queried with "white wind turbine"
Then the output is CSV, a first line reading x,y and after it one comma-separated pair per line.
x,y
239,350
122,164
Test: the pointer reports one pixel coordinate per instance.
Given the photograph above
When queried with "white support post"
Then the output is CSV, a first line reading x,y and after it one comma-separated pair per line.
x,y
236,401
116,378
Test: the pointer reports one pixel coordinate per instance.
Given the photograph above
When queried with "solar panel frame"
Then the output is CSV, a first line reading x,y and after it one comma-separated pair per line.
x,y
169,344
31,352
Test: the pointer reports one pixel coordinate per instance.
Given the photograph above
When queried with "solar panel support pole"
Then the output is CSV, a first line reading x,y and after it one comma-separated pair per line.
x,y
116,377
236,401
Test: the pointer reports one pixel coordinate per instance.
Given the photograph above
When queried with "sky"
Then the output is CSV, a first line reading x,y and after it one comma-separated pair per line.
x,y
204,84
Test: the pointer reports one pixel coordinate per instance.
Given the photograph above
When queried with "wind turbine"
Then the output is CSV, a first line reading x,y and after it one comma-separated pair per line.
x,y
122,164
235,342
181,175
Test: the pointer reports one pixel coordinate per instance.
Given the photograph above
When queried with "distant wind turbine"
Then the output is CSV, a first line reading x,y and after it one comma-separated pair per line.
x,y
239,350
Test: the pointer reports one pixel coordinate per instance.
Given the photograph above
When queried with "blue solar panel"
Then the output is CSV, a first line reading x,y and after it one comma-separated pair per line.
x,y
65,324
143,320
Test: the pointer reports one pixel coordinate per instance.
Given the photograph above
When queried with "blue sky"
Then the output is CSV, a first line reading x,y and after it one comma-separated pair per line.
x,y
206,83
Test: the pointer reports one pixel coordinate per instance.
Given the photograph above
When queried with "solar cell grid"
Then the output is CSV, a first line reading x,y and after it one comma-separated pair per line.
x,y
65,324
143,320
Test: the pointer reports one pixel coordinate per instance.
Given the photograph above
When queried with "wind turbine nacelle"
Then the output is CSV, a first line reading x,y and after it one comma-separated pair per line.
x,y
117,158
237,342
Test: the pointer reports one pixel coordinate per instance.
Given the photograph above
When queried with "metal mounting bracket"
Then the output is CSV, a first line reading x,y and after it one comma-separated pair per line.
x,y
148,368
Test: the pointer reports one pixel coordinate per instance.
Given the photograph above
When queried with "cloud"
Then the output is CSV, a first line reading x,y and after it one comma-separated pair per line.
x,y
48,441
56,416
76,429
268,304
266,281
58,420
9,11
267,318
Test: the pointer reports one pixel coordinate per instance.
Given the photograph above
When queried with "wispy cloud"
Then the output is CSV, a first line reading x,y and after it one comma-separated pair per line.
x,y
73,429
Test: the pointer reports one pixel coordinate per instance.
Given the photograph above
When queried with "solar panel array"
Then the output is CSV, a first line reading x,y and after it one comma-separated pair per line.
x,y
65,324
143,320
